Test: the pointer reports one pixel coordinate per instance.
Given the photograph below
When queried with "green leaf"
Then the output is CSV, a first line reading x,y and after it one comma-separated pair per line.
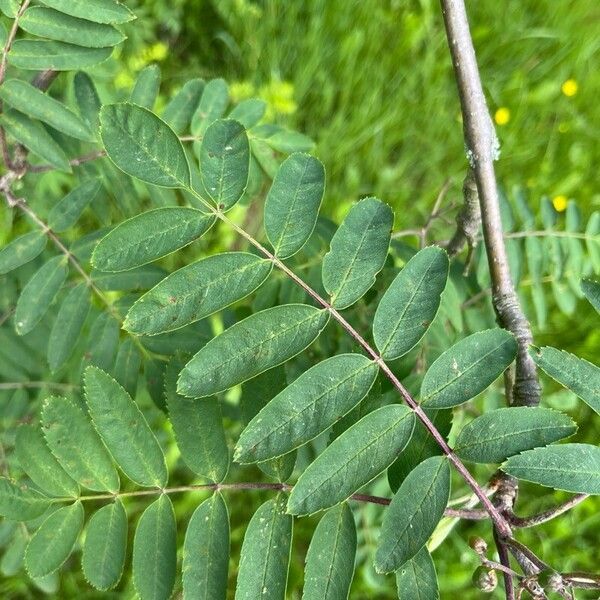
x,y
206,552
180,109
146,87
249,112
358,251
212,106
413,514
127,366
12,560
197,291
353,459
10,7
307,407
498,434
330,557
467,368
104,339
37,55
263,340
35,138
155,551
265,557
21,250
87,98
143,146
591,290
28,99
20,503
149,236
124,430
132,280
66,212
569,467
54,25
422,445
224,162
416,579
576,374
198,429
292,204
105,544
67,326
287,141
40,465
76,445
256,393
99,11
410,304
592,242
53,542
39,293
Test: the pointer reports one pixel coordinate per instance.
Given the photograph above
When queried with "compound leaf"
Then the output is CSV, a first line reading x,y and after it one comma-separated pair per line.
x,y
358,251
105,545
261,341
206,552
307,407
53,542
265,556
225,162
155,551
498,434
467,368
196,291
330,557
39,293
292,204
249,112
416,579
569,467
353,459
578,375
198,429
414,513
76,445
410,304
124,430
143,146
40,465
19,502
149,236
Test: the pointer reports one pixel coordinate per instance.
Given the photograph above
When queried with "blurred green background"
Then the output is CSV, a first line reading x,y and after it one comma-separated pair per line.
x,y
371,82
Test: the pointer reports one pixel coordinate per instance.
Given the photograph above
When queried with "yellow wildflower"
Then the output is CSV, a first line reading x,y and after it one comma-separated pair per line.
x,y
560,203
241,90
569,87
502,116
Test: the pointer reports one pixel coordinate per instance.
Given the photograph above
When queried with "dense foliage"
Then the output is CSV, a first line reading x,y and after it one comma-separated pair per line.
x,y
178,293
